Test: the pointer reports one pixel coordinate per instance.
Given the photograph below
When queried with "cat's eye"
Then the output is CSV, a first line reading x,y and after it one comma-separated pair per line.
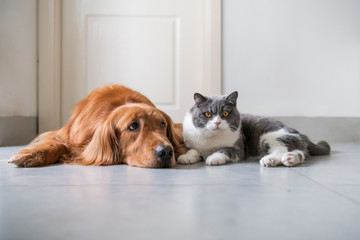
x,y
208,114
225,113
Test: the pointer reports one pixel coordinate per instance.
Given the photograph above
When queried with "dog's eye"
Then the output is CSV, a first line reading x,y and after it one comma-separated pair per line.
x,y
162,125
134,126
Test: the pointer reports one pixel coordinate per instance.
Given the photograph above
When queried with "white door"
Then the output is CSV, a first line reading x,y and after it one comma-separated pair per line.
x,y
165,49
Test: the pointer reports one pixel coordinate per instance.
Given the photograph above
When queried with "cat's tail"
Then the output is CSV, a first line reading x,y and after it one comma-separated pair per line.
x,y
318,149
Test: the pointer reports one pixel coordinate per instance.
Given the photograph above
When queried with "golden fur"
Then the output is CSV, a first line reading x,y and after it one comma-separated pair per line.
x,y
99,133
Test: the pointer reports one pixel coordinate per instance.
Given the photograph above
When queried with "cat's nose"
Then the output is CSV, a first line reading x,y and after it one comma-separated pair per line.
x,y
217,123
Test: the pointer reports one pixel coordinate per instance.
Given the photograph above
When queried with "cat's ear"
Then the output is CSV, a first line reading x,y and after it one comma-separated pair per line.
x,y
232,98
199,99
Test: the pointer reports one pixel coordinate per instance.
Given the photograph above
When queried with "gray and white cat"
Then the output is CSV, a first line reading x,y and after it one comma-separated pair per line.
x,y
215,131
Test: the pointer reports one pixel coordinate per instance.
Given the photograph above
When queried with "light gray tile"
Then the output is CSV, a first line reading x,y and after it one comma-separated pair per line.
x,y
352,192
341,167
6,152
176,212
237,201
247,173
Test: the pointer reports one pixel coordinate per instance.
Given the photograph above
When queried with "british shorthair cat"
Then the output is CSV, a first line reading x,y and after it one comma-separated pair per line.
x,y
215,131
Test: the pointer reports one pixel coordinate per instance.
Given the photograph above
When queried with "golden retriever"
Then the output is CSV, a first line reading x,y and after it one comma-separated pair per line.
x,y
112,125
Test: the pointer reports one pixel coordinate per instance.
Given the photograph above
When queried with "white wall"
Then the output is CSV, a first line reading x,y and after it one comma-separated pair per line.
x,y
293,58
18,58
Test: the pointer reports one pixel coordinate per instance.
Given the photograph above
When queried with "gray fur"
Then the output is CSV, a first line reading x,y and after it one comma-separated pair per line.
x,y
215,105
293,142
252,128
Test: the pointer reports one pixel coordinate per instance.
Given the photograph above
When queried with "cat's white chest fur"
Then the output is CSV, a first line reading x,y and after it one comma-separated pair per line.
x,y
204,141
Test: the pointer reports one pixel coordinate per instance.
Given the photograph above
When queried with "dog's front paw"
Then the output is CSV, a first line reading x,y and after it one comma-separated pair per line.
x,y
21,159
190,157
217,159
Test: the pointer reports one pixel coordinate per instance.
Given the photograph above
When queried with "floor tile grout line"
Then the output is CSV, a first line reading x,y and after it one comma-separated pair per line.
x,y
328,188
132,185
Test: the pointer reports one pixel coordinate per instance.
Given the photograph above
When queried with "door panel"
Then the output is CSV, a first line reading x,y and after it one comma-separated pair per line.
x,y
140,54
156,47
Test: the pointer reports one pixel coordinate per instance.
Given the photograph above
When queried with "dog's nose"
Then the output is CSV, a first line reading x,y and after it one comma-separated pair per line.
x,y
164,153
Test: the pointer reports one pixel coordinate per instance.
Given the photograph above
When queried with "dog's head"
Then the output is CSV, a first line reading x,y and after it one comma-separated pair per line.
x,y
135,134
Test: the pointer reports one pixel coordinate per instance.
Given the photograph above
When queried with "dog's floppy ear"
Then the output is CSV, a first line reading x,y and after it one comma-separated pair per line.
x,y
104,148
175,135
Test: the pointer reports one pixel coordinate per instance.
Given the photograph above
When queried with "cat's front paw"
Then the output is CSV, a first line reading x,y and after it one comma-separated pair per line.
x,y
269,161
291,159
190,157
217,159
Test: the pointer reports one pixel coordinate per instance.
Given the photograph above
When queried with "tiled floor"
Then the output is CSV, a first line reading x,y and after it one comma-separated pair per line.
x,y
317,200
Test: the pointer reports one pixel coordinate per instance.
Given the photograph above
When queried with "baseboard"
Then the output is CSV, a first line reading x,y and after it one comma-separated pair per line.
x,y
17,130
332,129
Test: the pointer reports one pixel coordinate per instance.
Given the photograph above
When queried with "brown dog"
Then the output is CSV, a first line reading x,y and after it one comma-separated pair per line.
x,y
112,125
